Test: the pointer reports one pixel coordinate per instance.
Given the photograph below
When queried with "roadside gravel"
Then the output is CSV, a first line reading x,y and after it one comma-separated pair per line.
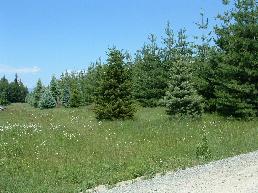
x,y
233,175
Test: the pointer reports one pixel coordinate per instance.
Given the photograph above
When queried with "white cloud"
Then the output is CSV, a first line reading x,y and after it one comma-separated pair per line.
x,y
19,70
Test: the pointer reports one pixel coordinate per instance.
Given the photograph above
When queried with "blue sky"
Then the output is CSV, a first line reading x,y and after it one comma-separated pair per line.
x,y
39,38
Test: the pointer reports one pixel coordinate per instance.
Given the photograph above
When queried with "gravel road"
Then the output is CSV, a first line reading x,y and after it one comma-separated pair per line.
x,y
237,174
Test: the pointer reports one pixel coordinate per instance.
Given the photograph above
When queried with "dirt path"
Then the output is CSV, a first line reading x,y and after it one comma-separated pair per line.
x,y
238,174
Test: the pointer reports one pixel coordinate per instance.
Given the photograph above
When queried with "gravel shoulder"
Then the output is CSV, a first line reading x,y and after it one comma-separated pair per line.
x,y
232,175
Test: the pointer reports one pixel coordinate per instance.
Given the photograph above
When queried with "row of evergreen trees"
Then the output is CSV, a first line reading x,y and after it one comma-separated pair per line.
x,y
13,92
185,77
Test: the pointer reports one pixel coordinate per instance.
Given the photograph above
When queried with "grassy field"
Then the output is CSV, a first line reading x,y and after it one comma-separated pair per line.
x,y
68,150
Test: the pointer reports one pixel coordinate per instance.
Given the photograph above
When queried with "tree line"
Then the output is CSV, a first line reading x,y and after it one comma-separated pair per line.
x,y
187,78
13,92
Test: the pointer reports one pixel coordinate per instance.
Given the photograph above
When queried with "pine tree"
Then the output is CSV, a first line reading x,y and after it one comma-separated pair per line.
x,y
182,100
75,95
149,75
169,41
90,82
237,86
37,93
46,101
204,67
114,98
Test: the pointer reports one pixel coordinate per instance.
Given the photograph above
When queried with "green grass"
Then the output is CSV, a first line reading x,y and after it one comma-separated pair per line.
x,y
66,150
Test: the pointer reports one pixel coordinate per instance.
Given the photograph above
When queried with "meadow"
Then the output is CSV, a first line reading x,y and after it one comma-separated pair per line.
x,y
68,150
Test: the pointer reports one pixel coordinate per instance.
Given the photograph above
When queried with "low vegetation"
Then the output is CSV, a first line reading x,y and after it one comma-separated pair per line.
x,y
66,150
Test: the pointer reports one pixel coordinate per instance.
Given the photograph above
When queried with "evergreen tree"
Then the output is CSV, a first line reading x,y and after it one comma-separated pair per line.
x,y
37,93
29,99
90,82
54,89
169,41
204,67
66,97
181,97
3,98
23,90
4,85
46,101
183,48
17,91
237,86
149,75
114,98
75,96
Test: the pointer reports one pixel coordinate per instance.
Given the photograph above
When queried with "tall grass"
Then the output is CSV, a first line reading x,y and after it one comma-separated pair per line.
x,y
68,150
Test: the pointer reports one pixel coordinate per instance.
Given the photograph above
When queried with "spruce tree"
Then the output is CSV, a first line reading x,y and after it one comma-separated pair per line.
x,y
46,101
114,97
182,100
237,85
37,93
54,89
65,99
29,99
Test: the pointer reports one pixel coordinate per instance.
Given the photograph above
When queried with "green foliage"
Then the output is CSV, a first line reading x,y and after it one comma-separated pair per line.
x,y
4,86
30,99
225,74
204,66
114,97
75,96
47,101
37,92
54,89
237,88
90,81
3,98
183,48
181,97
14,92
65,99
149,75
203,151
